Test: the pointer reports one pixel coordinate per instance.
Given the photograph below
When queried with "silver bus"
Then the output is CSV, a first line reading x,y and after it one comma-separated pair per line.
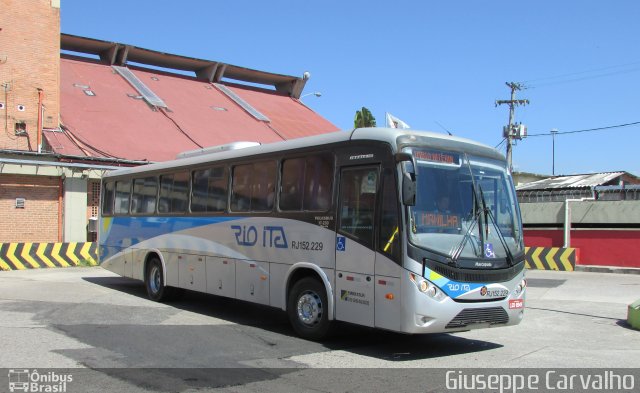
x,y
403,230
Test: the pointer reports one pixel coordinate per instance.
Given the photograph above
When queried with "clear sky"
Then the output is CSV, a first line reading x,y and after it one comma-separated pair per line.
x,y
433,64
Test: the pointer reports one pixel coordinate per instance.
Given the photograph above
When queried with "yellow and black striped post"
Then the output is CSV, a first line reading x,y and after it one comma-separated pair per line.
x,y
551,258
19,256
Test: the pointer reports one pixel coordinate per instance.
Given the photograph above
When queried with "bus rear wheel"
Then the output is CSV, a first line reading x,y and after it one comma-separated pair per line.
x,y
307,309
154,281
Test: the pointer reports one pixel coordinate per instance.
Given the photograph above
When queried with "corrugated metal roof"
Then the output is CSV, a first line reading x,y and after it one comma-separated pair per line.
x,y
575,181
114,122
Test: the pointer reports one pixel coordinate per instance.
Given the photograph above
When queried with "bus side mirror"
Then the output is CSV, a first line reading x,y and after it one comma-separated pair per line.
x,y
408,189
408,178
401,157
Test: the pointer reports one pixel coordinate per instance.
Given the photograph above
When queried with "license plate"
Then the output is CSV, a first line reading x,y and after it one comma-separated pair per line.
x,y
515,304
497,293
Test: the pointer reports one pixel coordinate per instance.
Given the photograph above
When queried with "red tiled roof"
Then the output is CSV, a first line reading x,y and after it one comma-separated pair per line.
x,y
111,123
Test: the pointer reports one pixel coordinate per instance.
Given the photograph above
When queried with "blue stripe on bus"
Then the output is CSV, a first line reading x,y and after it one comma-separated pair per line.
x,y
129,231
453,289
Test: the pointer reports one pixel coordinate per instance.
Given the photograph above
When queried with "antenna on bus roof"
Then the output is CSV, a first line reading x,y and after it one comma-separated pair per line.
x,y
443,127
216,149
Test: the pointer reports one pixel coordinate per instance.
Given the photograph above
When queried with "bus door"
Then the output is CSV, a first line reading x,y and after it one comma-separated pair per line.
x,y
355,255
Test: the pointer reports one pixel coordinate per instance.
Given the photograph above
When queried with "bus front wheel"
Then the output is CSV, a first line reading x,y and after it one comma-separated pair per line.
x,y
307,309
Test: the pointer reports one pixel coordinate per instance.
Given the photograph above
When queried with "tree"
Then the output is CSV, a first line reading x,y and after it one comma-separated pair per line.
x,y
364,118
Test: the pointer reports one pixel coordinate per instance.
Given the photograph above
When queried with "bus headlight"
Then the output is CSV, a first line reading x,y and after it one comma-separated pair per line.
x,y
520,287
425,286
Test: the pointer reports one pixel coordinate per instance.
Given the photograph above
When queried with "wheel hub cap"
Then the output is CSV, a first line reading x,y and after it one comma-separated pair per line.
x,y
154,279
309,308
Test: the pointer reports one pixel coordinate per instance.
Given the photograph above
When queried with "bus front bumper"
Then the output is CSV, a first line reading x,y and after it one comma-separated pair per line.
x,y
443,314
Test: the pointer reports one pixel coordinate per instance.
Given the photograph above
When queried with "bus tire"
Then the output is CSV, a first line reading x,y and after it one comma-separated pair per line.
x,y
154,281
307,308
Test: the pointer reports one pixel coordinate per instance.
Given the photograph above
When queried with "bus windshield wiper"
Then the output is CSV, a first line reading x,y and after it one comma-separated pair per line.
x,y
488,214
474,219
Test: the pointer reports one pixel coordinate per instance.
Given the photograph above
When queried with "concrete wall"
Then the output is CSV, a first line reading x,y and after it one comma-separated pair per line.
x,y
615,241
605,247
75,209
587,212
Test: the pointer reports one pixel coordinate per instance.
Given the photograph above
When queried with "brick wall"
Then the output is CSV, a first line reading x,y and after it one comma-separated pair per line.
x,y
38,220
29,59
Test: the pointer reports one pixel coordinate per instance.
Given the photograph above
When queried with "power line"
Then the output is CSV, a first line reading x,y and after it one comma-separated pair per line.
x,y
75,139
586,130
551,133
162,110
528,83
580,79
583,72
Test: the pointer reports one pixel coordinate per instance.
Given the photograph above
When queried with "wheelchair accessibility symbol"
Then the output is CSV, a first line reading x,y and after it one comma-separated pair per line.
x,y
488,251
341,243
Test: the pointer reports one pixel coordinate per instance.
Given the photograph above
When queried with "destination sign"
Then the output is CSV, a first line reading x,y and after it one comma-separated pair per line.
x,y
440,220
436,156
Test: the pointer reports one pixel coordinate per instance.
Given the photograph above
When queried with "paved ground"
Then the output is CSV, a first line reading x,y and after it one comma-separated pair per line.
x,y
90,318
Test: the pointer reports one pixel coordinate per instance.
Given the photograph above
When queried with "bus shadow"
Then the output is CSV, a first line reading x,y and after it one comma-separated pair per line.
x,y
120,284
374,343
397,347
231,310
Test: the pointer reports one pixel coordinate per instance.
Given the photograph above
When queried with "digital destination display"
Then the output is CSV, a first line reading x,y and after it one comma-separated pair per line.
x,y
440,220
436,156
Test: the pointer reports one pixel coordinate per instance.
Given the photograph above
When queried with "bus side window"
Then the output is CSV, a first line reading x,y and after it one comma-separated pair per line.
x,y
291,192
143,200
253,187
389,235
107,198
180,192
306,183
218,184
164,201
318,179
173,193
241,188
199,190
263,186
123,196
209,190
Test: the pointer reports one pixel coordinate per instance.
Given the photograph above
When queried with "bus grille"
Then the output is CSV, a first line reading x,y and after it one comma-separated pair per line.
x,y
466,275
468,316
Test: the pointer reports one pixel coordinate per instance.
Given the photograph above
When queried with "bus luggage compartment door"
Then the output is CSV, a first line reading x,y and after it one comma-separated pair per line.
x,y
192,272
252,281
221,276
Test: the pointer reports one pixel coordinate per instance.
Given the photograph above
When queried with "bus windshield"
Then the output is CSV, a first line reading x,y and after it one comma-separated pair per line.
x,y
465,206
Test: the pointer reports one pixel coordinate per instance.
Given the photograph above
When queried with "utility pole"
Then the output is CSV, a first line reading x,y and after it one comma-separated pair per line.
x,y
513,131
554,131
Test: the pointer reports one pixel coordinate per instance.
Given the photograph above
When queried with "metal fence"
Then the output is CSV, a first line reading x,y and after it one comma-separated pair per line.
x,y
601,193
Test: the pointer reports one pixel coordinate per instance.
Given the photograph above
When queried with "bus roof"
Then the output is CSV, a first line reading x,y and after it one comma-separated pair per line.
x,y
396,138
